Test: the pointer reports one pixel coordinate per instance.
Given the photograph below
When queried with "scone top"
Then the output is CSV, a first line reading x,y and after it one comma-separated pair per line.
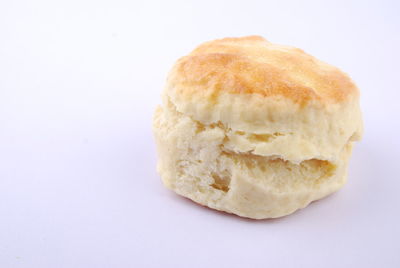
x,y
252,65
249,84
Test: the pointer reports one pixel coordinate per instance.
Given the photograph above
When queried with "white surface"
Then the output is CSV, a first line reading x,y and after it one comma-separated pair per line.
x,y
79,81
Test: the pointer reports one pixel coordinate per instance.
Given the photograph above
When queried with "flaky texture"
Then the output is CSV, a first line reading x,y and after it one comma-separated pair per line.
x,y
254,128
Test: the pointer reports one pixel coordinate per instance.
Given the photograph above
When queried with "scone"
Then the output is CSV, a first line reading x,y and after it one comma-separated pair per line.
x,y
254,128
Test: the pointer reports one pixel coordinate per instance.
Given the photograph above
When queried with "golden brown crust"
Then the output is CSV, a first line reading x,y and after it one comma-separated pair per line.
x,y
252,65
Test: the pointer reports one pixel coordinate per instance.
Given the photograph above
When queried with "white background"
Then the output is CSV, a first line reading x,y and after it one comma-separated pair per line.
x,y
79,81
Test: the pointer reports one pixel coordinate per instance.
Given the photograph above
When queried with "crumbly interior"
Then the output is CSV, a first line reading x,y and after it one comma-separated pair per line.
x,y
217,166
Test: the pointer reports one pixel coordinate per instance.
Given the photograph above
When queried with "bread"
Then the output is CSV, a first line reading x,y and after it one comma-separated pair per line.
x,y
254,128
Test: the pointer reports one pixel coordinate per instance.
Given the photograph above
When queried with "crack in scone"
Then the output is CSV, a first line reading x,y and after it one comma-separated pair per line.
x,y
207,165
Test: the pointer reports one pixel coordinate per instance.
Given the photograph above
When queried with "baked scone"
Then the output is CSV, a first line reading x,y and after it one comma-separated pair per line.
x,y
254,128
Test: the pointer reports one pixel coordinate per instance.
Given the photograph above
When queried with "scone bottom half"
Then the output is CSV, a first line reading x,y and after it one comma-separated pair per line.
x,y
255,129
